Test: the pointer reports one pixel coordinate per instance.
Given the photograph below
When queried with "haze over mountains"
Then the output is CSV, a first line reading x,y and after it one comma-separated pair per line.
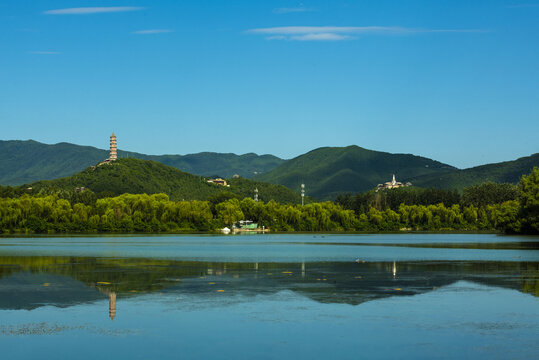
x,y
326,171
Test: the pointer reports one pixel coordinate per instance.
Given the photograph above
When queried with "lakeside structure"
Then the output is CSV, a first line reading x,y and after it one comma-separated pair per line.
x,y
393,184
247,226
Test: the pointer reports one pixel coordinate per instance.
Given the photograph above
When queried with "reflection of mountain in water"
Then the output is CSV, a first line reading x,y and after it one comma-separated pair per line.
x,y
31,282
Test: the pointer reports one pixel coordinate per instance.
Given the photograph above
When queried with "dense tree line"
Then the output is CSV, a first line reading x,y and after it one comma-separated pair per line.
x,y
478,196
157,213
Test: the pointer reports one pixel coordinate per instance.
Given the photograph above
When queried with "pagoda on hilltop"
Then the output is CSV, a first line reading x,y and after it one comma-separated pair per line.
x,y
113,148
113,152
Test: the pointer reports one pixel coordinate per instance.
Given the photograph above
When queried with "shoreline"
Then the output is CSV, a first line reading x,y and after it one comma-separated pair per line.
x,y
219,233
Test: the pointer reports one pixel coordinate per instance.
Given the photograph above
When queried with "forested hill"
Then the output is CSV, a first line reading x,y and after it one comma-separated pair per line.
x,y
326,171
28,161
329,171
24,162
503,172
135,176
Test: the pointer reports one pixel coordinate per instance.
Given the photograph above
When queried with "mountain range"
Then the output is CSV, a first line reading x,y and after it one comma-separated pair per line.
x,y
502,172
23,162
325,171
328,171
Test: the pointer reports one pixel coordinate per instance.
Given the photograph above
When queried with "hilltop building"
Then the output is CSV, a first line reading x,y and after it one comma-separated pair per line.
x,y
113,148
393,184
218,181
113,152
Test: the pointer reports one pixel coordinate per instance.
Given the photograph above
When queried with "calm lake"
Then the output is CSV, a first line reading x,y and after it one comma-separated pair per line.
x,y
270,296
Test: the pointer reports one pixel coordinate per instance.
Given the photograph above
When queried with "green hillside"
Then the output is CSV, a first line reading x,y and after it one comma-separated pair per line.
x,y
136,176
503,172
326,171
329,171
23,162
223,165
246,187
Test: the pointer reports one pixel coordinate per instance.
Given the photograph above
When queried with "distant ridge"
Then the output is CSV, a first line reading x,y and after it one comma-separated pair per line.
x,y
502,172
27,161
328,171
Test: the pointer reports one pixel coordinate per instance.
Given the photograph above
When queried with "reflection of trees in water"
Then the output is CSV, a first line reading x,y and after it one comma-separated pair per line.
x,y
328,282
409,278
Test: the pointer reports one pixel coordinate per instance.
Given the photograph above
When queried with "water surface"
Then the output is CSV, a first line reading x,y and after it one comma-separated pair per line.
x,y
270,296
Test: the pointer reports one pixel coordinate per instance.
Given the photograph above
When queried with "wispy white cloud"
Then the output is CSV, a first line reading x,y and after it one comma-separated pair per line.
x,y
285,10
335,33
288,30
44,52
92,10
152,31
320,37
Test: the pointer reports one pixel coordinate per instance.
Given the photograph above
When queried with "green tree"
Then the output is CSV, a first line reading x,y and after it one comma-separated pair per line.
x,y
489,193
529,202
229,211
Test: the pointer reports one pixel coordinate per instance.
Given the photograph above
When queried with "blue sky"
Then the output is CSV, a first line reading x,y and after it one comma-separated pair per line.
x,y
456,81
